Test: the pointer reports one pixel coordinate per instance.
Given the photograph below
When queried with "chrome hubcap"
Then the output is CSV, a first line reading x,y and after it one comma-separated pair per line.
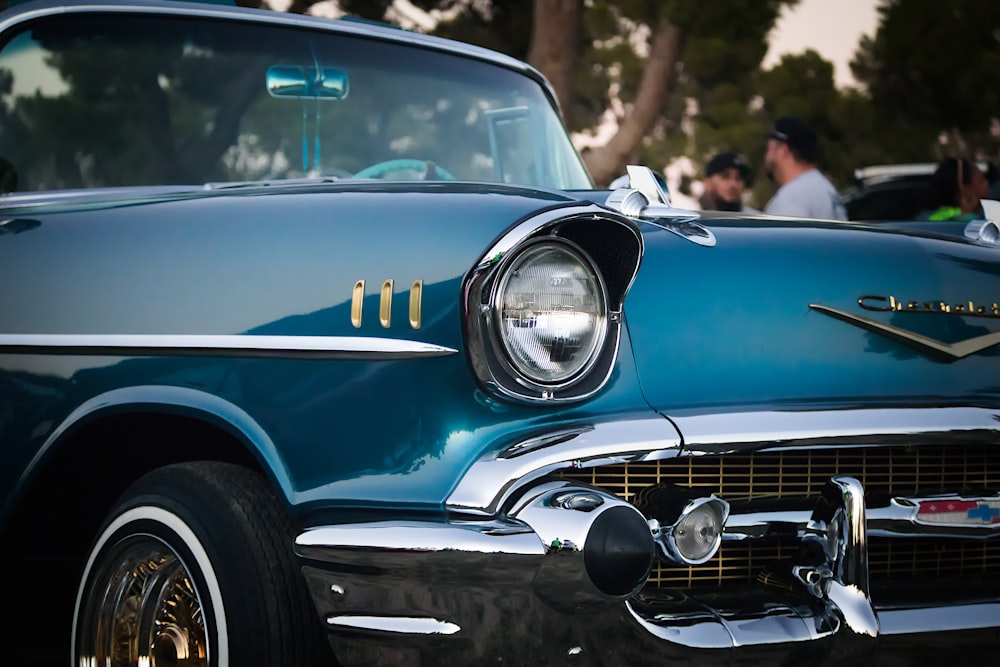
x,y
142,610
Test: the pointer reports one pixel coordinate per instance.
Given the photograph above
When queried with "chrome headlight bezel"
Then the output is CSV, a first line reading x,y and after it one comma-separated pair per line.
x,y
610,245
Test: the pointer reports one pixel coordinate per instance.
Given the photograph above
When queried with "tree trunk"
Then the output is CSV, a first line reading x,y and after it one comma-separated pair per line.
x,y
658,79
553,50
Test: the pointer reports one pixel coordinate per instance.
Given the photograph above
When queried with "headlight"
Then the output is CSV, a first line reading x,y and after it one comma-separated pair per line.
x,y
551,313
543,306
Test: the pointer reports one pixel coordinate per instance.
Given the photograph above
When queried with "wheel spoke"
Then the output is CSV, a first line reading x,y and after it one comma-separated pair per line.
x,y
149,613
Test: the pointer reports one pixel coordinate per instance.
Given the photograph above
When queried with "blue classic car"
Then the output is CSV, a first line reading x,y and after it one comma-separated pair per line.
x,y
318,346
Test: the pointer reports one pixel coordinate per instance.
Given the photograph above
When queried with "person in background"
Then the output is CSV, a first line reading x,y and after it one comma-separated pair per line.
x,y
955,189
993,178
790,162
726,176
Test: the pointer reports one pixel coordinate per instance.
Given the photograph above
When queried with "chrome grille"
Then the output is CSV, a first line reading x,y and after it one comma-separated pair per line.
x,y
883,471
888,559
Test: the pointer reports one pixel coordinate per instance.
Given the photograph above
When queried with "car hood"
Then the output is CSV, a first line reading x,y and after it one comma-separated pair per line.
x,y
269,260
767,317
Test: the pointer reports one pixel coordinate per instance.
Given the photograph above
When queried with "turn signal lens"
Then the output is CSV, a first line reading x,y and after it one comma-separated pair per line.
x,y
551,313
697,535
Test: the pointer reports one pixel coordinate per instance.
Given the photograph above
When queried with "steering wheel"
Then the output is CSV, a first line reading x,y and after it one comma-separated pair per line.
x,y
430,170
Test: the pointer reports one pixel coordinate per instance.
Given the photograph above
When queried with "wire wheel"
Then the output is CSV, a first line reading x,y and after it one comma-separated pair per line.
x,y
145,610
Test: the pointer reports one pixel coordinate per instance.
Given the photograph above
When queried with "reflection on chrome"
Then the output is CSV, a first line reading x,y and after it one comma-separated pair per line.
x,y
838,525
900,518
943,618
598,548
248,345
421,536
492,480
395,624
692,624
720,434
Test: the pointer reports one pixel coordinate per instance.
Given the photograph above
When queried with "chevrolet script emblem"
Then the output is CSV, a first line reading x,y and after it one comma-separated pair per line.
x,y
935,348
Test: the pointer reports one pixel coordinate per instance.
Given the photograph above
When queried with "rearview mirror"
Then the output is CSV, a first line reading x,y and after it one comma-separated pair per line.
x,y
295,82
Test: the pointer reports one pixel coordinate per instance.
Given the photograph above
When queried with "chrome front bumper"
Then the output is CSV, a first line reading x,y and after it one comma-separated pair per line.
x,y
446,592
481,588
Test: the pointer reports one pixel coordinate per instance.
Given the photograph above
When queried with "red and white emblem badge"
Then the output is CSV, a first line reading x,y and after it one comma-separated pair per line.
x,y
959,511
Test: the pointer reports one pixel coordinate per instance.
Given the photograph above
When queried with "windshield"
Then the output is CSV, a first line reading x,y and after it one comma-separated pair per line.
x,y
110,101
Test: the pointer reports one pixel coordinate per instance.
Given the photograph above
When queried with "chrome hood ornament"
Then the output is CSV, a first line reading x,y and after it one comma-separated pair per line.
x,y
646,200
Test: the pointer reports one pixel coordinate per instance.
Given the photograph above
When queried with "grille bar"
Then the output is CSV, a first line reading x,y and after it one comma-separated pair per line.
x,y
888,560
896,471
883,472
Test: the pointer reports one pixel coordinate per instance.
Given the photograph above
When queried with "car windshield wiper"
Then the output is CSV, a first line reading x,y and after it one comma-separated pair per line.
x,y
275,182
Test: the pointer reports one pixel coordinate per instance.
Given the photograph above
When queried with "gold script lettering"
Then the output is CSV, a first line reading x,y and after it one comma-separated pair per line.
x,y
870,297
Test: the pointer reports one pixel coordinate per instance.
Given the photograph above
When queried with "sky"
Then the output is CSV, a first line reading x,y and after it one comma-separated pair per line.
x,y
830,27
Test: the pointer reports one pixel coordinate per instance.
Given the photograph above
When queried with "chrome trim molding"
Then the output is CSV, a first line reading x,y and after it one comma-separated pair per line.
x,y
696,626
838,525
420,537
897,519
538,223
748,431
404,625
937,349
244,345
945,618
491,481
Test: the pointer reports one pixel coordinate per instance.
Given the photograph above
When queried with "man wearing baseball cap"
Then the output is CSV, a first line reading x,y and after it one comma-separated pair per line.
x,y
726,176
791,162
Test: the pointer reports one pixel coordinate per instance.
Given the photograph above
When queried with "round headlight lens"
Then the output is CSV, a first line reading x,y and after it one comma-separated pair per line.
x,y
551,312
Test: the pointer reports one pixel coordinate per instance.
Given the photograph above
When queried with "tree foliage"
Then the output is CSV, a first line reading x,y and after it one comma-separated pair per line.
x,y
933,71
678,78
638,63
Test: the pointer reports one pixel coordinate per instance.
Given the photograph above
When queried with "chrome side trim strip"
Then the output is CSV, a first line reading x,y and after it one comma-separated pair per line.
x,y
508,537
946,618
494,478
246,345
747,431
405,625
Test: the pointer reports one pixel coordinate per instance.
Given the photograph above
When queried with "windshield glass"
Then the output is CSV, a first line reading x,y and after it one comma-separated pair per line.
x,y
108,101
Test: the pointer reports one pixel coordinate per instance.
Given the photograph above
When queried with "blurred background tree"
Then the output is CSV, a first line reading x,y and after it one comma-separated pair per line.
x,y
932,73
651,81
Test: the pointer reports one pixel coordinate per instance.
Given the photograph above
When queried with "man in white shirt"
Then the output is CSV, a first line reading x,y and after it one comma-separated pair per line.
x,y
791,162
